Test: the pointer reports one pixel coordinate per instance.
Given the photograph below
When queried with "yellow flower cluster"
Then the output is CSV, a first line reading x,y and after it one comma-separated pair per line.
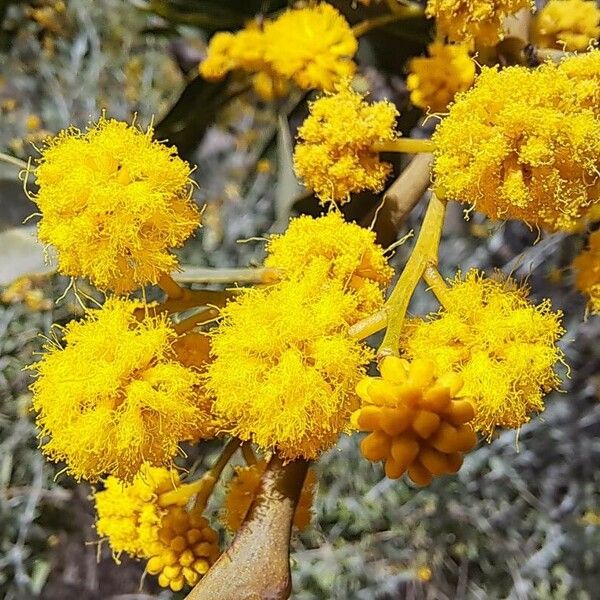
x,y
417,422
141,520
242,489
113,202
336,153
587,267
114,395
569,25
344,252
525,144
479,20
434,80
311,46
284,365
503,347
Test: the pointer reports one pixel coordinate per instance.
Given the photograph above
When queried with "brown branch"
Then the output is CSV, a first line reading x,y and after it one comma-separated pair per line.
x,y
400,198
257,565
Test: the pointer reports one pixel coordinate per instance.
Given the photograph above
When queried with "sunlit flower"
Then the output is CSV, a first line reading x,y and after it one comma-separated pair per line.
x,y
335,159
417,421
344,252
504,348
587,268
523,144
242,489
434,80
113,396
479,20
569,25
113,202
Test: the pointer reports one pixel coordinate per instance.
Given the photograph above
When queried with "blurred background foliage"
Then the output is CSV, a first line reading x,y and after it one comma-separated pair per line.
x,y
522,518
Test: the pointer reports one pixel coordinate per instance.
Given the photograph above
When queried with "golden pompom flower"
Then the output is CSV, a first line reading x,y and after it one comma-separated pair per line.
x,y
587,269
345,252
417,422
114,395
242,489
336,160
113,202
129,515
434,80
479,20
571,25
285,367
504,348
523,144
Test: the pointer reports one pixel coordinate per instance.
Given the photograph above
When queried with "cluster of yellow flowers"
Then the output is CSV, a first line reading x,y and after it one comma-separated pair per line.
x,y
479,20
434,80
525,144
284,366
336,160
311,46
572,25
503,347
587,267
417,421
113,202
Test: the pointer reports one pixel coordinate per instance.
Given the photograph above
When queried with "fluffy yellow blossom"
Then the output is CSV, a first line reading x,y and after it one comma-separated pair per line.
x,y
27,289
113,396
242,489
344,251
585,70
129,515
417,421
433,81
185,549
587,268
524,144
311,46
285,367
479,20
567,25
503,347
113,202
336,159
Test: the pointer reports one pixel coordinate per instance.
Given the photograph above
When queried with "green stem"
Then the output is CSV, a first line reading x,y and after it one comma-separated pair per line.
x,y
407,145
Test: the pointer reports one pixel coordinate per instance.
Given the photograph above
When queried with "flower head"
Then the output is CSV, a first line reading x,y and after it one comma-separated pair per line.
x,y
503,347
569,25
587,268
311,46
523,144
342,251
285,367
242,489
113,202
433,81
479,20
114,395
336,160
417,421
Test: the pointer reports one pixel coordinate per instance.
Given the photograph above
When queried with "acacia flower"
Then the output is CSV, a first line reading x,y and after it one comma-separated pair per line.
x,y
503,347
417,421
479,20
242,489
311,46
524,144
336,160
569,25
587,268
113,395
284,365
434,80
113,202
344,252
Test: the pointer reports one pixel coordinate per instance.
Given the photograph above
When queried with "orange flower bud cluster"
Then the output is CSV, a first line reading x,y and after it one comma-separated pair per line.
x,y
417,423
